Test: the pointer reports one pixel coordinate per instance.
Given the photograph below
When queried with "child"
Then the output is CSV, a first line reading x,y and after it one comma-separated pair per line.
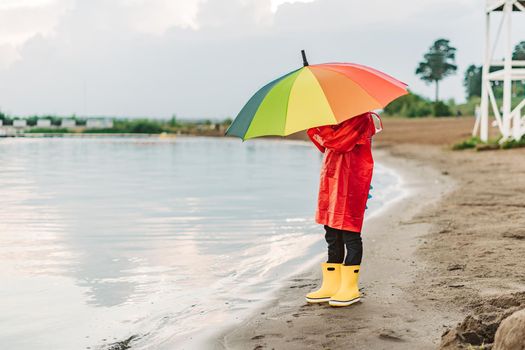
x,y
343,193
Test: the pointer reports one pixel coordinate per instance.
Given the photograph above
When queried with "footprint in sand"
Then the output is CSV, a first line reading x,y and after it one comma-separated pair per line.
x,y
390,335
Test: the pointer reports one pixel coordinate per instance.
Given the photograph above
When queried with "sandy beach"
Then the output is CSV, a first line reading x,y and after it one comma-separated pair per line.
x,y
442,266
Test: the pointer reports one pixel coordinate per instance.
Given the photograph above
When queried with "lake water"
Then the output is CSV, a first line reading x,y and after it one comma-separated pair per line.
x,y
165,240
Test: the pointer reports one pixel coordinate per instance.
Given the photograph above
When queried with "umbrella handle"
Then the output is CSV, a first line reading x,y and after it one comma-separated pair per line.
x,y
305,62
376,117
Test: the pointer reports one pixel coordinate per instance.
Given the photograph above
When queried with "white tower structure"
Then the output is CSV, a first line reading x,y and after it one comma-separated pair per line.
x,y
511,122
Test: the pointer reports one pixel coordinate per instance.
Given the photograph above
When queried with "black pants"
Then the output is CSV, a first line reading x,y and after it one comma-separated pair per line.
x,y
337,241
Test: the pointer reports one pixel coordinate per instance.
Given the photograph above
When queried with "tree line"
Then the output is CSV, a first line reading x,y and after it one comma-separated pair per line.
x,y
122,125
438,63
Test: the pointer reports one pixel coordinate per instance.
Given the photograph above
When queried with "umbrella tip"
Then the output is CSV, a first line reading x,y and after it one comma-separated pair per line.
x,y
305,62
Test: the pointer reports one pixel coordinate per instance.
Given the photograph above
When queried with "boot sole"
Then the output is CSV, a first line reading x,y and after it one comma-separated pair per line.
x,y
337,303
317,300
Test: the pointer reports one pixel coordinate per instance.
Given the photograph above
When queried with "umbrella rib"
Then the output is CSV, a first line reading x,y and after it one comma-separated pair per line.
x,y
325,97
288,132
356,82
368,69
288,102
276,83
234,127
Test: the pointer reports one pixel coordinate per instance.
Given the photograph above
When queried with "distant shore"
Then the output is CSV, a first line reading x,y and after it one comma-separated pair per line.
x,y
109,134
450,251
56,126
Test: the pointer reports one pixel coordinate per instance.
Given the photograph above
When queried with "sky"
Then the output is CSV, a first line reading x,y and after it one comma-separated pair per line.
x,y
205,58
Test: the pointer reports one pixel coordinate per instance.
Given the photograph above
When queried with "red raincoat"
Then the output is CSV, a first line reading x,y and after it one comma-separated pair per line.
x,y
346,173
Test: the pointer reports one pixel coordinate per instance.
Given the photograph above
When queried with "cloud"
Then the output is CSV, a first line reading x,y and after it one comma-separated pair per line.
x,y
156,16
276,3
204,58
22,19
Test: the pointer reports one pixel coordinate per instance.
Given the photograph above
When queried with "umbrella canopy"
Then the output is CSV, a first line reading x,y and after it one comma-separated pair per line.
x,y
315,95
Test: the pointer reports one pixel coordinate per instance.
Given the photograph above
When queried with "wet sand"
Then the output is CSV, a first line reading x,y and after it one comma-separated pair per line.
x,y
451,248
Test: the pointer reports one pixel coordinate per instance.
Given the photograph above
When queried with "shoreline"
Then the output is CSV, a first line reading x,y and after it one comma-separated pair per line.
x,y
388,268
208,339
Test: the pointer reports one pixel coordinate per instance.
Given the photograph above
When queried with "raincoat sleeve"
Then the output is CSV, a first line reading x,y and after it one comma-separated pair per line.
x,y
348,134
313,134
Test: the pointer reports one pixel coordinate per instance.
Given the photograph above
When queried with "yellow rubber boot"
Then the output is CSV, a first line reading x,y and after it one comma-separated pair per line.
x,y
348,293
330,285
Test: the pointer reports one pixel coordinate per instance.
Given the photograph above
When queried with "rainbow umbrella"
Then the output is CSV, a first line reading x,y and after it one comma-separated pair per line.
x,y
315,95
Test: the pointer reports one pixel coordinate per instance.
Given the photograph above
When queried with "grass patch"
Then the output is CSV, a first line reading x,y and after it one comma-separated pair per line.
x,y
514,144
467,144
47,131
494,144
